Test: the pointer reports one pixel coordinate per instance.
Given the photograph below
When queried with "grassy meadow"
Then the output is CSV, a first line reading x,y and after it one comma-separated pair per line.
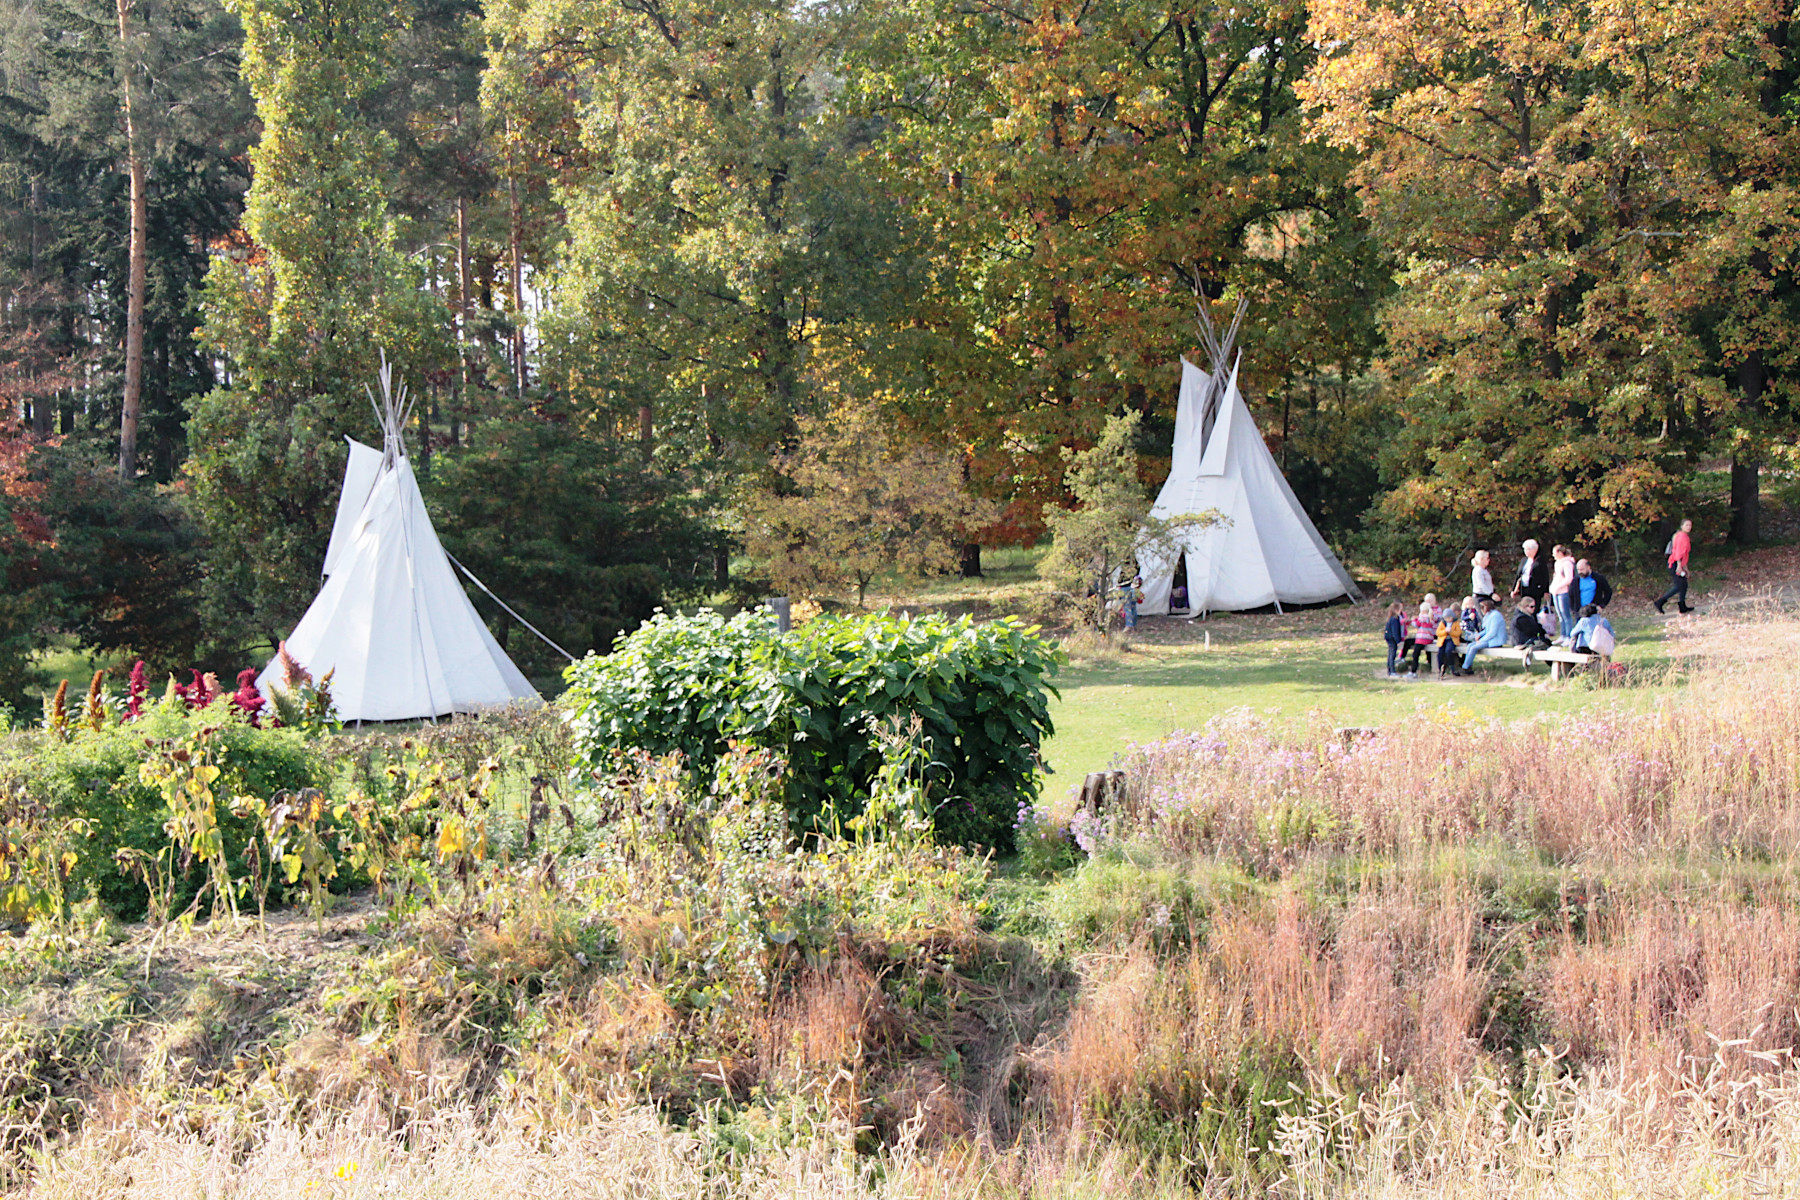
x,y
1311,668
1305,669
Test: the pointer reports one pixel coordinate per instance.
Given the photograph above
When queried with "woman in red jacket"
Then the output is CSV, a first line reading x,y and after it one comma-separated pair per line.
x,y
1679,547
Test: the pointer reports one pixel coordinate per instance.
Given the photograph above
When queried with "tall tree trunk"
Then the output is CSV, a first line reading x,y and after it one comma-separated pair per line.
x,y
647,429
518,279
971,560
134,304
1746,471
460,397
462,287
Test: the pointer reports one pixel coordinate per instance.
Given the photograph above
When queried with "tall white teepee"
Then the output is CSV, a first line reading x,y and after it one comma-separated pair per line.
x,y
391,620
1265,549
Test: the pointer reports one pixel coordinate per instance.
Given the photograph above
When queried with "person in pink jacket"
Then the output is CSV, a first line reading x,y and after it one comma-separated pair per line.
x,y
1680,546
1562,580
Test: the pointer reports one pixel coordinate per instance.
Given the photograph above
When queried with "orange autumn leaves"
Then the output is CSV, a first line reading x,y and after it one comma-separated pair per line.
x,y
1592,205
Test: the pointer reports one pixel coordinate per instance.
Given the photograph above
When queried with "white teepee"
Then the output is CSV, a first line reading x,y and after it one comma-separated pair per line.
x,y
392,621
1265,550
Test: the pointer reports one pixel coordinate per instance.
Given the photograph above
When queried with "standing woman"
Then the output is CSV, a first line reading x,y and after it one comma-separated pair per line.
x,y
1562,580
1534,580
1680,546
1481,576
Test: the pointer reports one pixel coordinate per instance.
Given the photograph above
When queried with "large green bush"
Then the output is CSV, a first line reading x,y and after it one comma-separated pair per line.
x,y
692,684
94,775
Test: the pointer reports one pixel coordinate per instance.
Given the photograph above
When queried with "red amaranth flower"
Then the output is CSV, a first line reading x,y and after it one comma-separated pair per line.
x,y
293,675
247,699
135,692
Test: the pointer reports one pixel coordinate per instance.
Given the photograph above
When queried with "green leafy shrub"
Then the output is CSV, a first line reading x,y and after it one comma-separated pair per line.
x,y
97,776
691,684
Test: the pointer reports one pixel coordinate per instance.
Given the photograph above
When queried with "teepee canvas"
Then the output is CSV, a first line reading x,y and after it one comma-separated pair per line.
x,y
1265,550
391,620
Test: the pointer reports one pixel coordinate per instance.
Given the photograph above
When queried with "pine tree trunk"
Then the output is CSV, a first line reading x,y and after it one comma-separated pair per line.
x,y
518,281
463,285
1746,472
134,304
459,402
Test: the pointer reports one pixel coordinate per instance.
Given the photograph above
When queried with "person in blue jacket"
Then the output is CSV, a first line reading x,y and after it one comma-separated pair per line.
x,y
1395,633
1493,633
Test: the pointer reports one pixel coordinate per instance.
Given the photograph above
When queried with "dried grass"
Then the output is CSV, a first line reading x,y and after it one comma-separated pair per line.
x,y
1711,770
1562,1136
1392,985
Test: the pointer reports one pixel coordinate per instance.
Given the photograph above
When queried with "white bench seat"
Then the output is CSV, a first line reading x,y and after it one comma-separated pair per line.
x,y
1558,658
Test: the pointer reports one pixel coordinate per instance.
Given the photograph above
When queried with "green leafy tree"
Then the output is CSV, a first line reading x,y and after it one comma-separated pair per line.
x,y
1110,529
300,310
719,228
858,499
570,526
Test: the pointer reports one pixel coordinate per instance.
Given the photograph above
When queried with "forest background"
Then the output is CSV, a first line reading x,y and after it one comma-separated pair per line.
x,y
839,283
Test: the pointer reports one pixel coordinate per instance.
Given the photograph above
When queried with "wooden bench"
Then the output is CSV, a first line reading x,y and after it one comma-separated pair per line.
x,y
1560,660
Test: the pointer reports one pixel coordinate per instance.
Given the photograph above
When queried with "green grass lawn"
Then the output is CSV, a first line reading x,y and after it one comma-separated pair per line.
x,y
1322,665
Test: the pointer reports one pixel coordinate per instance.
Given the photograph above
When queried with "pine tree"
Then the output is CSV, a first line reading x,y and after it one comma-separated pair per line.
x,y
301,309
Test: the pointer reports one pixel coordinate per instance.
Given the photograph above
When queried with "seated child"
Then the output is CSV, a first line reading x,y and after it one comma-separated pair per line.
x,y
1593,626
1471,619
1450,637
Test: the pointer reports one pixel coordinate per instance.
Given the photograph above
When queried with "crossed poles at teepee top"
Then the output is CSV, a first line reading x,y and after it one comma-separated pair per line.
x,y
392,411
1219,350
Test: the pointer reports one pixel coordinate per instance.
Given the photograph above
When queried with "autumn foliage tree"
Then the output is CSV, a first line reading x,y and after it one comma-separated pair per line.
x,y
1576,190
1080,177
855,500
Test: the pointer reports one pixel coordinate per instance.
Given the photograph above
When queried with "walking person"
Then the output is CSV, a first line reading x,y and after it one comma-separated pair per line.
x,y
1534,577
1680,546
1562,583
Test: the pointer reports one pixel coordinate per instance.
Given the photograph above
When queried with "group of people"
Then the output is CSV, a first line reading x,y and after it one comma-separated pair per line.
x,y
1559,603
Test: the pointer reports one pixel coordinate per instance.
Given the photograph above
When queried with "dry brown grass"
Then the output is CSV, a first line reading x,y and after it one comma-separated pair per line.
x,y
1665,983
1714,769
1561,1136
1390,986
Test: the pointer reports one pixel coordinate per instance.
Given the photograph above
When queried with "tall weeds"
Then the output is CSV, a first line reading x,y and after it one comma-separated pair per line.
x,y
1712,772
